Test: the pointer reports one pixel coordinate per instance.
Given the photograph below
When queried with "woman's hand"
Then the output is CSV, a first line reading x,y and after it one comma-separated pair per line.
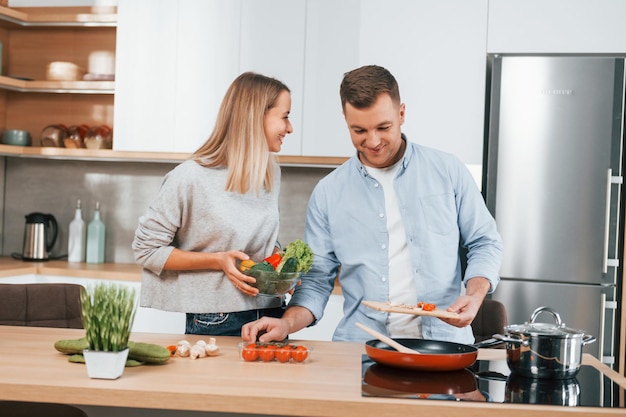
x,y
228,263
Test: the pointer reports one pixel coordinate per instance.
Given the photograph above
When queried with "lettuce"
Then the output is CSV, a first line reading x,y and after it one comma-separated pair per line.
x,y
302,252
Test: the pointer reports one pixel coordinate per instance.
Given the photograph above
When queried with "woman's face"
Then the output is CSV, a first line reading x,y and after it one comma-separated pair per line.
x,y
276,122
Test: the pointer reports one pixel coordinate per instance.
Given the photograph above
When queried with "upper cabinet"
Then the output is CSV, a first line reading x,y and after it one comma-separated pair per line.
x,y
436,50
32,39
176,60
557,26
177,57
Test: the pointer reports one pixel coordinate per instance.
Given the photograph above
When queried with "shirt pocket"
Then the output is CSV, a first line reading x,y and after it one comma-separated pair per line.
x,y
439,213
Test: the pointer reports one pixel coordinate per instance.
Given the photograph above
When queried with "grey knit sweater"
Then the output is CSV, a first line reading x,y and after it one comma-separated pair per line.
x,y
192,212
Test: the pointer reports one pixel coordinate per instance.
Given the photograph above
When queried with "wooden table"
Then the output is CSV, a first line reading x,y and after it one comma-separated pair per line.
x,y
328,385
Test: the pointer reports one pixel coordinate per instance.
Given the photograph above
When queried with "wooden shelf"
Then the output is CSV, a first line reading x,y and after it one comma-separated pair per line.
x,y
74,87
129,156
58,16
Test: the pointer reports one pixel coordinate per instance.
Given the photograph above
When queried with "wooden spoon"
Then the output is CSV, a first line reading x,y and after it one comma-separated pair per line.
x,y
397,346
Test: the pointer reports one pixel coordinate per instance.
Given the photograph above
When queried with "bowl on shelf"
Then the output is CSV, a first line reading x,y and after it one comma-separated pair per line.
x,y
16,137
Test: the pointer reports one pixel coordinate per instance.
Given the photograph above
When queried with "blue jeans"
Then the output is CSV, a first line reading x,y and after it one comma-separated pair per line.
x,y
226,324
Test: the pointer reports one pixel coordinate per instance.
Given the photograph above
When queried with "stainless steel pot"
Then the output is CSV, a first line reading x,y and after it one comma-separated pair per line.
x,y
544,350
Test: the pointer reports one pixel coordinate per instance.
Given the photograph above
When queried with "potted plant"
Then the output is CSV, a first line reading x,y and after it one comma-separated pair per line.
x,y
108,312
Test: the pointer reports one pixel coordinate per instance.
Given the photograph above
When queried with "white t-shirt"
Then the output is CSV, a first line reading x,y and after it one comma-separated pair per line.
x,y
401,285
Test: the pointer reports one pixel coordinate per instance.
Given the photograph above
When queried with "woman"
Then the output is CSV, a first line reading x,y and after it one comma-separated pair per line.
x,y
216,208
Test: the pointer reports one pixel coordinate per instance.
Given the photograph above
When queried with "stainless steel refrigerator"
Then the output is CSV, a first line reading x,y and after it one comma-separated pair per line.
x,y
552,176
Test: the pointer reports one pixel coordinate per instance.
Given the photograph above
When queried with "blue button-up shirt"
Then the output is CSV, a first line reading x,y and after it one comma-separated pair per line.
x,y
346,226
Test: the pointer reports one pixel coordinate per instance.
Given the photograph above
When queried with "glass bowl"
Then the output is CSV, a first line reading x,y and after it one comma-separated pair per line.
x,y
272,283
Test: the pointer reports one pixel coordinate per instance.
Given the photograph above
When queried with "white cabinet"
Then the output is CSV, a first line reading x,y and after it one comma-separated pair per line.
x,y
556,26
272,43
175,60
436,50
332,48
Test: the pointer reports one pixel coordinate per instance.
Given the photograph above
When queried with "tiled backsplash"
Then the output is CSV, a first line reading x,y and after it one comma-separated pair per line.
x,y
124,190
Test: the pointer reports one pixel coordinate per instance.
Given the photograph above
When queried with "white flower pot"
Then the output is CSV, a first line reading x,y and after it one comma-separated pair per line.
x,y
105,365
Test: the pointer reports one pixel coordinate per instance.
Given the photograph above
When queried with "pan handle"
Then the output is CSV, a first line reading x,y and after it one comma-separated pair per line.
x,y
487,343
510,339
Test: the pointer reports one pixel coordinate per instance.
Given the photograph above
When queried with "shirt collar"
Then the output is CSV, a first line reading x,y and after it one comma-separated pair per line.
x,y
406,158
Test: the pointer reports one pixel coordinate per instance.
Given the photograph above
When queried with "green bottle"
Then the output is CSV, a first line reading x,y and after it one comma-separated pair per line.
x,y
96,238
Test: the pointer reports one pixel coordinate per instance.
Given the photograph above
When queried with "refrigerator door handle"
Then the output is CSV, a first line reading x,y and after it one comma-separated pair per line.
x,y
606,262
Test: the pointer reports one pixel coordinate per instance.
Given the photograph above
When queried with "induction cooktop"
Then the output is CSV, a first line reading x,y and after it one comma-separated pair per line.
x,y
491,381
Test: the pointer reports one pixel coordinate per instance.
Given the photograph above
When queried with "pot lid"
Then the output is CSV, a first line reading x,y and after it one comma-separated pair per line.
x,y
557,329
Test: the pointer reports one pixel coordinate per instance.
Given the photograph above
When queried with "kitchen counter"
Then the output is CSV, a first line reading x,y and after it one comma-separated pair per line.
x,y
328,385
10,267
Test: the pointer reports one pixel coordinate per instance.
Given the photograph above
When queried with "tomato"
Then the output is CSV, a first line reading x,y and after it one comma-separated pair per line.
x,y
266,353
172,349
428,307
300,353
274,259
283,354
250,353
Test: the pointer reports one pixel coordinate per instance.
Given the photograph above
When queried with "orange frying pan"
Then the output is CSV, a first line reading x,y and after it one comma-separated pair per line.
x,y
435,355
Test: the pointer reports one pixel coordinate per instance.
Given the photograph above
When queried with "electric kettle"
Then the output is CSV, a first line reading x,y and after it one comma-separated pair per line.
x,y
40,233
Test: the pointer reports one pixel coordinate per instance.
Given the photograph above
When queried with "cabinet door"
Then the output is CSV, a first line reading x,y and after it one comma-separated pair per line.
x,y
175,60
436,49
144,76
332,48
207,61
272,43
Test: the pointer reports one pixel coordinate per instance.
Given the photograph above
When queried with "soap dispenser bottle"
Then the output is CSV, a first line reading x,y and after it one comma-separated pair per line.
x,y
96,237
76,242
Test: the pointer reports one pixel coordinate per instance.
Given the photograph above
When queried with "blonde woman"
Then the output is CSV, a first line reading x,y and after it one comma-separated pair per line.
x,y
216,208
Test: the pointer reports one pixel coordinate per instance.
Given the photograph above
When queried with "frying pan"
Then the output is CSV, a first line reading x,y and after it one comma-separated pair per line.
x,y
435,355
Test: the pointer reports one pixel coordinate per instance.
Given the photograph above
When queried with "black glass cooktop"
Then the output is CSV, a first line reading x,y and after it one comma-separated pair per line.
x,y
493,382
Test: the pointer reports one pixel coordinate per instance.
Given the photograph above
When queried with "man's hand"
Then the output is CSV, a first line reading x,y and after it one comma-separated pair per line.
x,y
467,305
267,329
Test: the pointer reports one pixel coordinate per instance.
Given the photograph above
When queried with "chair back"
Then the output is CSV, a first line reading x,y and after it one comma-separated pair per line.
x,y
42,305
490,319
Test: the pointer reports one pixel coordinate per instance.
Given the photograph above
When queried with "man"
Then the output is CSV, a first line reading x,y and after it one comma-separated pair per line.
x,y
391,219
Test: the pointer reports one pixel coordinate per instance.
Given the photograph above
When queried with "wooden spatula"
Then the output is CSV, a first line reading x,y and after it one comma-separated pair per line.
x,y
397,346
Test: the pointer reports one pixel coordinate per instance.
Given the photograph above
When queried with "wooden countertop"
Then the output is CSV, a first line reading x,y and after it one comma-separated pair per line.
x,y
328,385
10,267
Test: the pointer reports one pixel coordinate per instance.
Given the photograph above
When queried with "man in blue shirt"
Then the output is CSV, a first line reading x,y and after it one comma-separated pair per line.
x,y
389,222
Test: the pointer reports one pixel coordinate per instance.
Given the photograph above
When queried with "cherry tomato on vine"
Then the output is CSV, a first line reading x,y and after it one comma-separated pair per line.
x,y
250,353
267,353
300,353
283,354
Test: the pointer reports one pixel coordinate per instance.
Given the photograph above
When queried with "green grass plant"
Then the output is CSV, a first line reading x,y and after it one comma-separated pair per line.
x,y
108,312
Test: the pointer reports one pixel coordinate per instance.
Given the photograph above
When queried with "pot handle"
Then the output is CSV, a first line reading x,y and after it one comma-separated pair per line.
x,y
510,339
540,310
588,339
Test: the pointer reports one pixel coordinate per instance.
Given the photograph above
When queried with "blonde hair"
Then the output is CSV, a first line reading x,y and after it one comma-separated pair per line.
x,y
238,139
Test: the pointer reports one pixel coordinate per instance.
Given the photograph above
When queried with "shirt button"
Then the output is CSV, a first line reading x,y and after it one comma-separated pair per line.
x,y
383,279
381,215
375,185
383,246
